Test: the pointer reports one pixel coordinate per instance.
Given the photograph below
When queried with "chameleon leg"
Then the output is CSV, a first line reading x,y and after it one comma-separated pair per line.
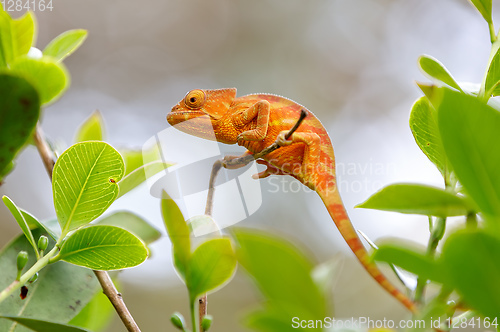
x,y
270,170
259,110
311,158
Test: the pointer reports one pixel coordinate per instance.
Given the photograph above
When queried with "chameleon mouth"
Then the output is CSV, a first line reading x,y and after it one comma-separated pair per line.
x,y
176,117
193,122
180,114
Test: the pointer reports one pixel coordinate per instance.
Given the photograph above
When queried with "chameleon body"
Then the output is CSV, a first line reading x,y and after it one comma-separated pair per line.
x,y
256,121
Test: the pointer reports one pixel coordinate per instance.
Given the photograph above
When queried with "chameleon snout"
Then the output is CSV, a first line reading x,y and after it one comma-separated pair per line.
x,y
179,114
171,117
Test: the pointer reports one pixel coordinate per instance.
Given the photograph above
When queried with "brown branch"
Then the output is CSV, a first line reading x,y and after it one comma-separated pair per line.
x,y
202,309
116,300
236,163
211,187
203,300
44,150
106,283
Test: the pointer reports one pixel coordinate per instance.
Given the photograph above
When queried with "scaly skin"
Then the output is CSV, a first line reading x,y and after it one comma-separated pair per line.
x,y
256,121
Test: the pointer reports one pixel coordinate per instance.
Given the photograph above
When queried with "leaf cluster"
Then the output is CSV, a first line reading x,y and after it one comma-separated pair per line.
x,y
29,79
87,178
457,130
203,269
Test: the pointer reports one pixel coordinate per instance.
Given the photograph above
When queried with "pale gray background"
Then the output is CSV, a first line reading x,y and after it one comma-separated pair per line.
x,y
352,62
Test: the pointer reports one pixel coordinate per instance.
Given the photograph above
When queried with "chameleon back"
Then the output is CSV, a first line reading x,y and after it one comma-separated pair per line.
x,y
284,114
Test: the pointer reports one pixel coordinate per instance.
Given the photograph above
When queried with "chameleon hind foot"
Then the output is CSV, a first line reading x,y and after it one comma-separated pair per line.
x,y
270,170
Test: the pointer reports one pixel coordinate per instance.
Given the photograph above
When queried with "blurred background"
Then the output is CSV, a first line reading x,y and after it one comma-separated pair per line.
x,y
352,62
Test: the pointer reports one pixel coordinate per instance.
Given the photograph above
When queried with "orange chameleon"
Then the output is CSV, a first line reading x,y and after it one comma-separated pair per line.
x,y
257,121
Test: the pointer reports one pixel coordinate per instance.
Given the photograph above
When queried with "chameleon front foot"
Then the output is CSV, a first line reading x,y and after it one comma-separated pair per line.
x,y
281,140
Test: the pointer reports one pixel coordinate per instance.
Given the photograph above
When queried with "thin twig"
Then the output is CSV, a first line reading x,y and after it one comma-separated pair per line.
x,y
239,162
202,309
211,187
44,150
203,300
116,300
106,283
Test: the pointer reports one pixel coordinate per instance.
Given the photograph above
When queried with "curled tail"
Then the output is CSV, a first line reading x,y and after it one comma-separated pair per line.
x,y
337,211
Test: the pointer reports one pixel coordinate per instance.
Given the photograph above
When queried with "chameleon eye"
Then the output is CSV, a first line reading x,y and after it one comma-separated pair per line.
x,y
195,99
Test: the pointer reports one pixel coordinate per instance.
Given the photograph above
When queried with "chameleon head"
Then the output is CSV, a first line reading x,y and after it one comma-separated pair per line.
x,y
200,110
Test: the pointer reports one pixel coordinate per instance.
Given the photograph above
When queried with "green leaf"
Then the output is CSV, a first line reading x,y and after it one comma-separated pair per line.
x,y
50,227
21,221
65,44
496,90
16,36
493,76
178,232
133,160
282,273
206,322
7,49
132,223
139,166
418,199
435,70
92,129
430,314
103,248
423,124
470,259
469,131
39,325
272,320
136,158
96,315
178,321
60,292
84,183
49,77
410,260
24,33
6,170
484,7
139,175
212,264
428,89
202,225
19,112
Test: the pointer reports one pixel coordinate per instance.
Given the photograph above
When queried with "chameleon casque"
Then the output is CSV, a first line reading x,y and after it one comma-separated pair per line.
x,y
258,120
